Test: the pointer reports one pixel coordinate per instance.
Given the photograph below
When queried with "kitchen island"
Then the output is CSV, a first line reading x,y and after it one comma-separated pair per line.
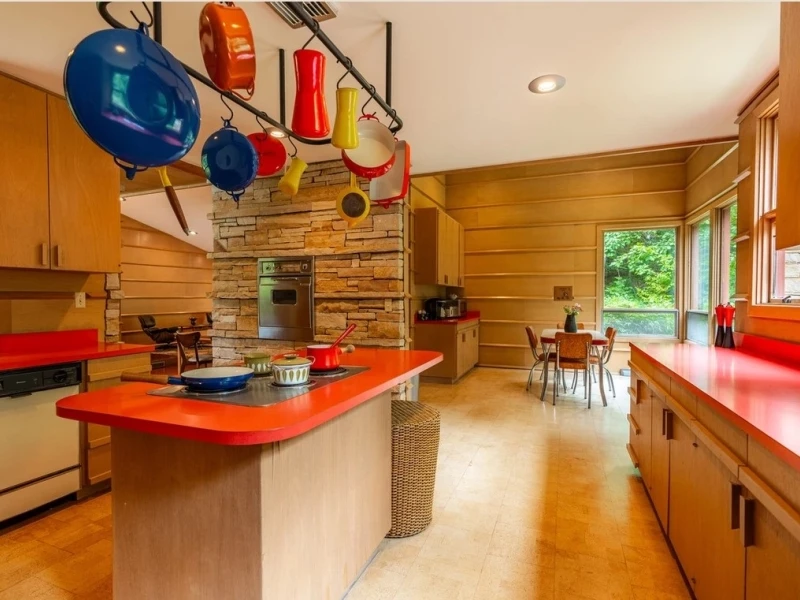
x,y
221,501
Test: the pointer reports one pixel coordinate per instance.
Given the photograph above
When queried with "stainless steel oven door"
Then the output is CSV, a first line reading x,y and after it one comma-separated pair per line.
x,y
285,309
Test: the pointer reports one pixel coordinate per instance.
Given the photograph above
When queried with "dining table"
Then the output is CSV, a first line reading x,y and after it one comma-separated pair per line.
x,y
548,338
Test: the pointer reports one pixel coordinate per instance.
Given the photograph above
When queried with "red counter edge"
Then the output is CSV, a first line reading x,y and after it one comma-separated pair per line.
x,y
773,445
242,438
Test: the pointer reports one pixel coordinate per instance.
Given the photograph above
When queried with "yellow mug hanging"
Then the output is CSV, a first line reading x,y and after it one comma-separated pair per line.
x,y
345,132
290,182
352,203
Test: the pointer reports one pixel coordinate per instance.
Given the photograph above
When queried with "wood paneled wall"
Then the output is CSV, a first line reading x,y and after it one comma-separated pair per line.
x,y
533,226
161,276
427,191
34,300
710,173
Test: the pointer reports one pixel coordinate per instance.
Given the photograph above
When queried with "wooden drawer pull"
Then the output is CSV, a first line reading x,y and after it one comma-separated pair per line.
x,y
632,394
666,423
783,512
747,507
45,254
634,425
632,454
736,495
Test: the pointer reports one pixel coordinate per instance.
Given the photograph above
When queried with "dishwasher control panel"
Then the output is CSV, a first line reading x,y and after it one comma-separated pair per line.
x,y
28,381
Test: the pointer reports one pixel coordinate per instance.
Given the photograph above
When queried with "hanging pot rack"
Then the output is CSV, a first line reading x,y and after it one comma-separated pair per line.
x,y
297,8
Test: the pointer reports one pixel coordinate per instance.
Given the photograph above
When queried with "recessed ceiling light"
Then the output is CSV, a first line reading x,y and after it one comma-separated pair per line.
x,y
276,133
546,84
121,199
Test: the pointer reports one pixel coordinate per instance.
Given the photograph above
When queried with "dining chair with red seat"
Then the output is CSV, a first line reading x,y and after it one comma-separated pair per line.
x,y
602,359
538,356
573,351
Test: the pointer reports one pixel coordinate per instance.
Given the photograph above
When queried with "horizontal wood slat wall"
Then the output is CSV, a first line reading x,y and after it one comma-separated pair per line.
x,y
161,276
531,227
709,174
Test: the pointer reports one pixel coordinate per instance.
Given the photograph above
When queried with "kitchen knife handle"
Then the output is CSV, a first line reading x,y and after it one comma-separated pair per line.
x,y
45,254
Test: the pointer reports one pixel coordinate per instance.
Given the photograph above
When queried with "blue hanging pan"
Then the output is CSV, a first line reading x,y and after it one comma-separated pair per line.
x,y
132,98
229,161
212,379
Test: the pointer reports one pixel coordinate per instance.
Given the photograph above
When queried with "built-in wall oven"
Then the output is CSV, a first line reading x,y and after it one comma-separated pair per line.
x,y
286,298
39,451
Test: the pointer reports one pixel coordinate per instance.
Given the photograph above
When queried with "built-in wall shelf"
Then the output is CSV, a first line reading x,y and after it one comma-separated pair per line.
x,y
742,237
741,176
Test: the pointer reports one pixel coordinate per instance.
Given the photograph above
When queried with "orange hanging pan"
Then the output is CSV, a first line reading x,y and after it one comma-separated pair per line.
x,y
229,54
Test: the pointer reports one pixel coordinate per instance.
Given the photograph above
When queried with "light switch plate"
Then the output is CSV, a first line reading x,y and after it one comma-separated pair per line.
x,y
80,299
562,292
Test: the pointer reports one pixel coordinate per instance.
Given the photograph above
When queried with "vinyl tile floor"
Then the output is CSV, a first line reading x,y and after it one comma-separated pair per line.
x,y
532,501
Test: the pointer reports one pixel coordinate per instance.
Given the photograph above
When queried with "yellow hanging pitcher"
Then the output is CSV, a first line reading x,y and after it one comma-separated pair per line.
x,y
345,133
290,182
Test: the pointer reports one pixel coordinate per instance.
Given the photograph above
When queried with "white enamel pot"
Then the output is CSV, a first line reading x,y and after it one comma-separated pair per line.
x,y
291,369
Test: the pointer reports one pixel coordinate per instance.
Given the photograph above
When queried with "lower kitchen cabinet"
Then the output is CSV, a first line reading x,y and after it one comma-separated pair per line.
x,y
661,426
96,439
773,558
458,342
734,536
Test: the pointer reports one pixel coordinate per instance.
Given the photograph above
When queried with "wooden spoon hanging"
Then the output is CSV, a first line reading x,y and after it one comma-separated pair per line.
x,y
173,199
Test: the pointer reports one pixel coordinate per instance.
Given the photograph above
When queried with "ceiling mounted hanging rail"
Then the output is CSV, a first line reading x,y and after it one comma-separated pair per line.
x,y
310,23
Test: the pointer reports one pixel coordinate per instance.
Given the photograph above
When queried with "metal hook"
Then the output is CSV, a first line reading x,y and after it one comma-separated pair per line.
x,y
309,40
226,122
393,114
372,91
349,68
149,14
291,141
260,124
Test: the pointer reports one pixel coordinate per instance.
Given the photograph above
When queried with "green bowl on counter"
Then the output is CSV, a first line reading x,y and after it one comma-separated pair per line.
x,y
259,362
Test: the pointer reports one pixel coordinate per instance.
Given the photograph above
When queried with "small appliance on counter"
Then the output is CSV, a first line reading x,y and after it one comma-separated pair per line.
x,y
438,308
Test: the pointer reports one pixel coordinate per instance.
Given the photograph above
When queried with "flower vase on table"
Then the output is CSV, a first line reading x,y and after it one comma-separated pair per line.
x,y
570,323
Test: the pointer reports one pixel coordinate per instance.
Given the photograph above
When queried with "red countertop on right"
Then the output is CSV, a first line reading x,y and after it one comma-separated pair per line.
x,y
760,396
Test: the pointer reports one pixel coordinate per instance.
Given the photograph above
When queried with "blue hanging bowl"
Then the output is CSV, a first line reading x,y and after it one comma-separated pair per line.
x,y
230,161
132,98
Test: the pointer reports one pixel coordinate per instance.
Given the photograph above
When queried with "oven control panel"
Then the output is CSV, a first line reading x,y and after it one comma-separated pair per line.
x,y
285,266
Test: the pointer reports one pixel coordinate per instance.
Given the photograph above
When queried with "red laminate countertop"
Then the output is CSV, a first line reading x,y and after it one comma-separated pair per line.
x,y
759,396
470,315
26,350
130,407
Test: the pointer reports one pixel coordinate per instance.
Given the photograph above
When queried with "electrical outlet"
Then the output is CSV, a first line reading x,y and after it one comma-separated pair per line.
x,y
80,299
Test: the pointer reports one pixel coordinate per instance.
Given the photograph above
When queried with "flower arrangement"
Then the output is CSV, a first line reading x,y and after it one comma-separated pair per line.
x,y
573,310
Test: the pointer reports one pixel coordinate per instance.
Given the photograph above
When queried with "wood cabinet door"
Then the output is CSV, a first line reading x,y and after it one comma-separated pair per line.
x,y
451,251
661,432
442,255
84,197
788,210
476,345
684,521
720,570
24,223
463,344
642,443
773,561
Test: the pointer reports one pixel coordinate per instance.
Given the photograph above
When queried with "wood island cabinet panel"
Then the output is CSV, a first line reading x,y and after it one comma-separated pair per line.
x,y
773,560
661,432
457,342
684,520
84,197
24,224
788,206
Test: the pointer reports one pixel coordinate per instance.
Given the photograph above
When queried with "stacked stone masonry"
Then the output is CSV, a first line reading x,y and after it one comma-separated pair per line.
x,y
358,273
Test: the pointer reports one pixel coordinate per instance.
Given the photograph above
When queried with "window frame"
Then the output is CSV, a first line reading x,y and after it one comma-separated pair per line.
x,y
726,239
678,226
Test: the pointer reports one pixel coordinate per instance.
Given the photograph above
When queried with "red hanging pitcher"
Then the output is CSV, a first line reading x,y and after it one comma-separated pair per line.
x,y
310,118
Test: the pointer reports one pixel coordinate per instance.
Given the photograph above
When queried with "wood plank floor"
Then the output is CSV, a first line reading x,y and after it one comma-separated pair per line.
x,y
532,502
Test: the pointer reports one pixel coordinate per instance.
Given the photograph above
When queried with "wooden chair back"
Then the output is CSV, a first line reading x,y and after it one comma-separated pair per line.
x,y
573,346
533,341
188,341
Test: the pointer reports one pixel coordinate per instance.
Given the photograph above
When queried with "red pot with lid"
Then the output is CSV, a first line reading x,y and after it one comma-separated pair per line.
x,y
326,356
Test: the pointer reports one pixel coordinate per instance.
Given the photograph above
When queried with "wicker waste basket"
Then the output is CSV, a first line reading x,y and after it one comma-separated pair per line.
x,y
415,449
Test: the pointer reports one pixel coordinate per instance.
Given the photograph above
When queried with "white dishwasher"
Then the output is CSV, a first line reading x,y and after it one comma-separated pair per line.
x,y
39,451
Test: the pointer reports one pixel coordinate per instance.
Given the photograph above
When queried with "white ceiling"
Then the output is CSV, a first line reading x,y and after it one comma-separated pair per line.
x,y
637,74
154,210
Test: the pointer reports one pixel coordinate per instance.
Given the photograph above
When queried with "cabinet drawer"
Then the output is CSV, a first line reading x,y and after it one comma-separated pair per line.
x,y
98,464
111,368
97,435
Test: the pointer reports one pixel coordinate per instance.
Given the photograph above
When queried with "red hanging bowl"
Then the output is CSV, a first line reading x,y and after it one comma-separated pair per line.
x,y
271,153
